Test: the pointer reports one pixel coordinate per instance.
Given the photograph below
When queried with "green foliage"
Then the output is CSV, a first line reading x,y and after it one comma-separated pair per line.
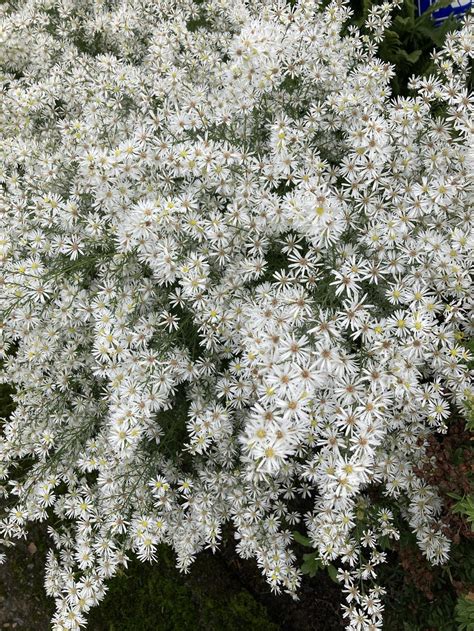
x,y
173,425
465,506
311,562
465,613
311,565
332,571
408,609
410,40
470,422
470,347
304,541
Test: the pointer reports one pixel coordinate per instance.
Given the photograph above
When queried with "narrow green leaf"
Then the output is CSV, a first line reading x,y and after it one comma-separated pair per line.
x,y
409,7
404,24
441,4
305,541
332,571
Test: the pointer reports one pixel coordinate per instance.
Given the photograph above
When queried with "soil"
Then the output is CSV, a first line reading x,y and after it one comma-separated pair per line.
x,y
24,605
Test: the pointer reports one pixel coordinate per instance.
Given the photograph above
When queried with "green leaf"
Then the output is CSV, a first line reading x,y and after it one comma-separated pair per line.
x,y
332,571
465,506
297,536
431,32
409,7
465,613
441,4
392,38
390,45
311,564
366,6
384,543
405,24
410,57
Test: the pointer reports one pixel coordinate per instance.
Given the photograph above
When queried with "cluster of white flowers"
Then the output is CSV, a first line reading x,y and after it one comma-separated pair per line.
x,y
235,278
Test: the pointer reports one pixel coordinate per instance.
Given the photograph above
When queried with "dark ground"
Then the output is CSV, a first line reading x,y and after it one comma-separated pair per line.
x,y
221,593
23,602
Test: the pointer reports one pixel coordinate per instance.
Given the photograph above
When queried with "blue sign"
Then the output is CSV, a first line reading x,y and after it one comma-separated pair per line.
x,y
457,7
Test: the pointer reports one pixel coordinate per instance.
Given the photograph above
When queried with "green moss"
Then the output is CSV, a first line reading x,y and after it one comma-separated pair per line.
x,y
159,598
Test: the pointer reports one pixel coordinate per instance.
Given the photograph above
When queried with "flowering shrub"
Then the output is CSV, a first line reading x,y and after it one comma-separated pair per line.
x,y
235,272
